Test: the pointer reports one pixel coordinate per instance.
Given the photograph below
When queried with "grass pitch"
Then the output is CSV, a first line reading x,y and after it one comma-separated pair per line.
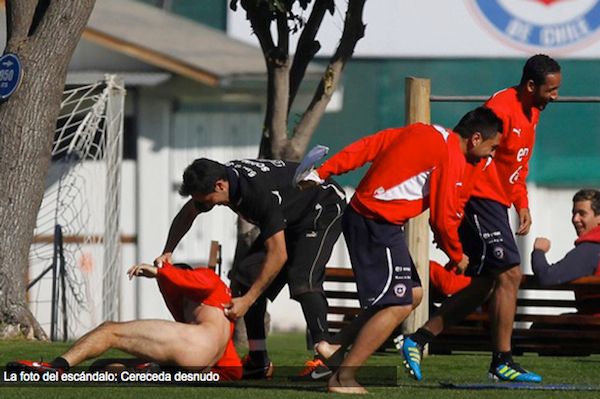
x,y
288,354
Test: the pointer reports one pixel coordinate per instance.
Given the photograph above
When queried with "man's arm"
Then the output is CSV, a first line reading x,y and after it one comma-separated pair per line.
x,y
521,201
579,262
179,227
274,260
445,212
356,154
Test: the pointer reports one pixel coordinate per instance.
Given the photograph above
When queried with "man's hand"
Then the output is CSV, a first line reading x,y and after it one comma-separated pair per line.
x,y
542,243
236,308
142,270
462,265
166,257
524,221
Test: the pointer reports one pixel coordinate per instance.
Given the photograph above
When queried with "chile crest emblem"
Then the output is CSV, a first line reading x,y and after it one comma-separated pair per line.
x,y
541,24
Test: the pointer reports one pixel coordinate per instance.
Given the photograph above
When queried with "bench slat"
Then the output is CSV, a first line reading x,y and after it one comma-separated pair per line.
x,y
546,338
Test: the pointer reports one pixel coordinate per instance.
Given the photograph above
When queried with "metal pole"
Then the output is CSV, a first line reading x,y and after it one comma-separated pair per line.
x,y
63,282
54,310
481,99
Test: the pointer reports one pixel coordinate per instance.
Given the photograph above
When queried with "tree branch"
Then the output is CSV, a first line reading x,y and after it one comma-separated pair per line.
x,y
280,87
19,16
283,35
274,136
307,46
260,21
354,30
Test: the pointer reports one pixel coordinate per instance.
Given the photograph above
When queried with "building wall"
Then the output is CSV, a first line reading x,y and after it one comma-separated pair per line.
x,y
172,133
208,12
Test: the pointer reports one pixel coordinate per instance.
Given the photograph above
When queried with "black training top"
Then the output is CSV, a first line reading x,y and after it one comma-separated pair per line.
x,y
261,192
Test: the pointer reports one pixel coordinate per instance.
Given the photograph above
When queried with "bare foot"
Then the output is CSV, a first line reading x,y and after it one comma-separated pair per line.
x,y
349,386
325,349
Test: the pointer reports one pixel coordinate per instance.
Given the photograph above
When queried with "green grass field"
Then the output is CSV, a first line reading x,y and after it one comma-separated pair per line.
x,y
288,353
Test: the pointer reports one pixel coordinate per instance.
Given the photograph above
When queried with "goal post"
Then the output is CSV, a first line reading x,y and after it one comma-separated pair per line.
x,y
82,202
114,151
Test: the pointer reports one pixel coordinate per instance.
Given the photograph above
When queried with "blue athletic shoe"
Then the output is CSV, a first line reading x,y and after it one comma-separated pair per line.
x,y
308,162
412,354
513,372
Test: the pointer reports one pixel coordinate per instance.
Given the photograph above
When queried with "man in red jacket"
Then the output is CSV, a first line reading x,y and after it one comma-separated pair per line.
x,y
412,168
200,338
485,231
583,260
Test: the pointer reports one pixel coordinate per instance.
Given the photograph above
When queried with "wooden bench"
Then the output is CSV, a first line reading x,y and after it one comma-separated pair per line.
x,y
552,334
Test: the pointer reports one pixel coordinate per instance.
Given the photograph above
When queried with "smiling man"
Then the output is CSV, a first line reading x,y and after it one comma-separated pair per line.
x,y
583,260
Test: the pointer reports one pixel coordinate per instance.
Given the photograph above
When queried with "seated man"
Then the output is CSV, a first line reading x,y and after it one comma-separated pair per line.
x,y
583,260
198,339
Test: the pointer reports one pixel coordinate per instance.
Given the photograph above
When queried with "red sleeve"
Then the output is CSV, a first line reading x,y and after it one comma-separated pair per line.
x,y
196,284
357,154
445,212
520,197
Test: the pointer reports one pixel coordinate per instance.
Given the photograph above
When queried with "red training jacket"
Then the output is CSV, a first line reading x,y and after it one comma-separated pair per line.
x,y
503,180
447,282
587,299
204,286
412,168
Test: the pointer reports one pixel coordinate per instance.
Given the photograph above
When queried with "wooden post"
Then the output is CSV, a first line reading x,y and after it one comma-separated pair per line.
x,y
417,229
214,257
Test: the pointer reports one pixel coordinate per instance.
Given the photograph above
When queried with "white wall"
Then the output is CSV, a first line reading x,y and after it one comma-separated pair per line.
x,y
460,28
82,210
168,142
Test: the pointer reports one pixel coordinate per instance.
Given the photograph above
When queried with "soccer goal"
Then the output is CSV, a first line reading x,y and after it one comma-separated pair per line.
x,y
75,257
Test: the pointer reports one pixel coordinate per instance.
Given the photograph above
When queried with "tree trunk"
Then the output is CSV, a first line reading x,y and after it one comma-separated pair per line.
x,y
354,30
44,40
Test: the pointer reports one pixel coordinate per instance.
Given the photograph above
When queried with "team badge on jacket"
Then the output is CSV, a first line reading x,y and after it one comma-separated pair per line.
x,y
541,24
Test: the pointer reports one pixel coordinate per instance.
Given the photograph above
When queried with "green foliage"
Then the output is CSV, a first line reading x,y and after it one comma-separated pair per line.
x,y
271,9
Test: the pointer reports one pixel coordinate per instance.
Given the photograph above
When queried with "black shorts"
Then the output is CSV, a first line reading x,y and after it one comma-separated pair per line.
x,y
309,245
487,238
384,271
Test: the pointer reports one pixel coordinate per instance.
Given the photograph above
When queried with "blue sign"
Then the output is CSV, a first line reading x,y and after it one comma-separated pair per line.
x,y
10,75
542,24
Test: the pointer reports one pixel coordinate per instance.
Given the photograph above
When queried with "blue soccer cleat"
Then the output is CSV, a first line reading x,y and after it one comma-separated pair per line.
x,y
512,372
412,354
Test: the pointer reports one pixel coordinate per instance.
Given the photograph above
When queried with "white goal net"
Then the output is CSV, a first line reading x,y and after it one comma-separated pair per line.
x,y
75,257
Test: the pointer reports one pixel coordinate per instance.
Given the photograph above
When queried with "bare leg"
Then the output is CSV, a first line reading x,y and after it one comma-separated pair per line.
x,y
503,306
166,342
342,340
458,306
371,336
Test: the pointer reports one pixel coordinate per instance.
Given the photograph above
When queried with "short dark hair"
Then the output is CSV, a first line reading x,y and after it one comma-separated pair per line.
x,y
589,194
537,68
201,176
482,120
